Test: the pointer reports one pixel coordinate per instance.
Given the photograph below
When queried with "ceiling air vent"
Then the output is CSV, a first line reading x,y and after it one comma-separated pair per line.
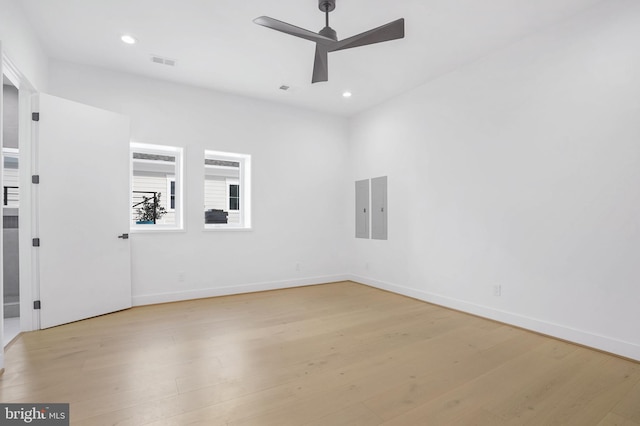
x,y
163,61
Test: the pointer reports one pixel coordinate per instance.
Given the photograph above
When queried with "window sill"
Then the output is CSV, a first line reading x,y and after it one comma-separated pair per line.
x,y
150,229
217,228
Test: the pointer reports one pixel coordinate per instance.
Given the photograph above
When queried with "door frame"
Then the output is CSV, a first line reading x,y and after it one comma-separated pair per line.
x,y
2,66
29,318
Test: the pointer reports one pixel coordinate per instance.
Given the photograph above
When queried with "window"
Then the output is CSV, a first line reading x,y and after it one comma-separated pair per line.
x,y
234,196
156,187
227,190
171,191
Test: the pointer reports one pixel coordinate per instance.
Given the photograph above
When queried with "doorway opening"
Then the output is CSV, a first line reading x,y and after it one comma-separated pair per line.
x,y
10,210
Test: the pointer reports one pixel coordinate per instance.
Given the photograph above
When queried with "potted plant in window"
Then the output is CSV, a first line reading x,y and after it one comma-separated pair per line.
x,y
149,210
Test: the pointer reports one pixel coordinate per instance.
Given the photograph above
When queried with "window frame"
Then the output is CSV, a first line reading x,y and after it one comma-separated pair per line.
x,y
230,183
177,176
171,179
244,180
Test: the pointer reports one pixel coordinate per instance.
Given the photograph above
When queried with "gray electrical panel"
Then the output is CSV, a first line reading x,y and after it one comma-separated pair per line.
x,y
362,208
379,208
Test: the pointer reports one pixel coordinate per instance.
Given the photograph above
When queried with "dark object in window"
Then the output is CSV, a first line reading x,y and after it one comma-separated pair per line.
x,y
215,216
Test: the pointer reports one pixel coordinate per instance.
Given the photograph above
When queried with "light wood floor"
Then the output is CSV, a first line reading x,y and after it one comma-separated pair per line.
x,y
335,354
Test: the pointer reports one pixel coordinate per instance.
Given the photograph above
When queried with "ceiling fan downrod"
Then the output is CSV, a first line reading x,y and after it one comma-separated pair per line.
x,y
327,6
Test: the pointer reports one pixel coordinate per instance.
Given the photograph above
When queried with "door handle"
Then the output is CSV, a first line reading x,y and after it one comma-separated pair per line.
x,y
124,236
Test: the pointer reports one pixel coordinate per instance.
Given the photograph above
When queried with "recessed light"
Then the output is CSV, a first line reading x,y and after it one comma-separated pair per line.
x,y
346,95
128,39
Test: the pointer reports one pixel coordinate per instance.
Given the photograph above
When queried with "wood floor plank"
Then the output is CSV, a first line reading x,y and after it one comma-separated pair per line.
x,y
495,384
446,374
629,405
334,354
613,419
355,415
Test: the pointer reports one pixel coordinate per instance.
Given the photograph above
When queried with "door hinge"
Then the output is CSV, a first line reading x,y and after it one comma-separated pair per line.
x,y
36,242
36,304
35,116
35,179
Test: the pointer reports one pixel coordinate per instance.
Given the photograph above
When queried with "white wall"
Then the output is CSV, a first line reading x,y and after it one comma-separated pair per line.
x,y
21,45
520,170
299,168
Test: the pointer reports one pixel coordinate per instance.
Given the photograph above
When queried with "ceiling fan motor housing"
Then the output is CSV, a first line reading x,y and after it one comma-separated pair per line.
x,y
329,32
326,5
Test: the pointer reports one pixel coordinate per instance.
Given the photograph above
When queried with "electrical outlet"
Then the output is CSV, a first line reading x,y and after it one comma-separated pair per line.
x,y
366,265
297,266
497,290
181,277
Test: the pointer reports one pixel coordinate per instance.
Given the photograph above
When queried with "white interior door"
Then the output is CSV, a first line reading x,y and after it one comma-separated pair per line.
x,y
82,210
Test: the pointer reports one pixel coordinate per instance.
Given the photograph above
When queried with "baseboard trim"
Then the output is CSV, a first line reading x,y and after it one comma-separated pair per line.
x,y
595,341
153,299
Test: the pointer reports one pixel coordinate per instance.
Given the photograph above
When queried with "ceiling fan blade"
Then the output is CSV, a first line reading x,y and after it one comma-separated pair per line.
x,y
391,31
320,65
283,27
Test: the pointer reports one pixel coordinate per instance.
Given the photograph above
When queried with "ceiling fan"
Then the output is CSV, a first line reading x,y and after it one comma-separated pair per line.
x,y
327,40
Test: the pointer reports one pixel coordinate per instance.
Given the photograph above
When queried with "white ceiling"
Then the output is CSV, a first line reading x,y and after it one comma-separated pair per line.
x,y
216,45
